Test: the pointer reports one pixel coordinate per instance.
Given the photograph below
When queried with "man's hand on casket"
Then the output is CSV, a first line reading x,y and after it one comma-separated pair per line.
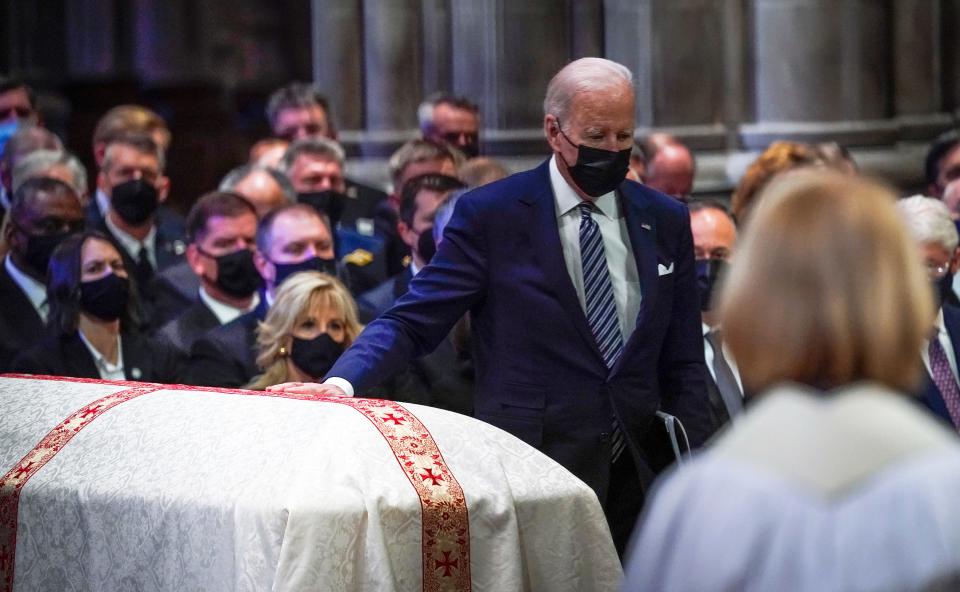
x,y
309,388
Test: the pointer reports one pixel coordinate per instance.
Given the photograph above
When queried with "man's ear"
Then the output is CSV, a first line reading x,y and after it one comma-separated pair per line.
x,y
407,235
163,188
955,261
99,149
194,259
551,129
266,269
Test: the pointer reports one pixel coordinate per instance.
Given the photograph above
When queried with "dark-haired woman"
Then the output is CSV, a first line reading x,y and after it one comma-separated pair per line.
x,y
92,323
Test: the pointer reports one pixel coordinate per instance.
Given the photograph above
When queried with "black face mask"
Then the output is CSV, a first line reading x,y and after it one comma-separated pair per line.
x,y
316,356
330,203
709,272
236,273
426,245
105,298
285,270
39,249
597,171
135,201
942,289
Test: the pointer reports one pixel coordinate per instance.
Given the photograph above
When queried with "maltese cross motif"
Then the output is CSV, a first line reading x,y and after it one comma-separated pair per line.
x,y
434,478
90,411
24,469
396,420
447,565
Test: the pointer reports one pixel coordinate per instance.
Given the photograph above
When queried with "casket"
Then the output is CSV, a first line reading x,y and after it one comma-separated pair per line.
x,y
133,486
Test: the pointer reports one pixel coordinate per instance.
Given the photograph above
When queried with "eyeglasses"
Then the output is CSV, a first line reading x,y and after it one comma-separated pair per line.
x,y
937,272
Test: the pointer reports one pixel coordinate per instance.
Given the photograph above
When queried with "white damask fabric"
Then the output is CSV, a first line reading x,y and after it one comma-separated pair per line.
x,y
203,490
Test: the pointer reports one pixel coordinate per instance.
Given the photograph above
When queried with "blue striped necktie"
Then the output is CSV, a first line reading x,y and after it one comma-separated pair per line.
x,y
601,307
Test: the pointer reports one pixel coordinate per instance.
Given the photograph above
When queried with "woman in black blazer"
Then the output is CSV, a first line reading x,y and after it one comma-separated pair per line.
x,y
93,322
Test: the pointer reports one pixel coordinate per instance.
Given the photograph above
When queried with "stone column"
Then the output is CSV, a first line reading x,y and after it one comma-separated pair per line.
x,y
504,56
393,68
821,71
338,59
677,52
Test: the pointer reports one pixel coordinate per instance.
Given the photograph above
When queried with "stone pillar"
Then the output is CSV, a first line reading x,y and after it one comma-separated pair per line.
x,y
437,47
504,56
918,68
821,70
337,59
392,64
677,52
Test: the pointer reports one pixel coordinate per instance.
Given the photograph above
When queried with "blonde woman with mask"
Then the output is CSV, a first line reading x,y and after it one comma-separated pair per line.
x,y
312,321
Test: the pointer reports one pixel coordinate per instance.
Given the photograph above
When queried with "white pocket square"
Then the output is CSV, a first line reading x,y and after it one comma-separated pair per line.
x,y
663,269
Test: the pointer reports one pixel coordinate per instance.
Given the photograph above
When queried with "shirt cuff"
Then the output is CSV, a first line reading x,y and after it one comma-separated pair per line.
x,y
342,383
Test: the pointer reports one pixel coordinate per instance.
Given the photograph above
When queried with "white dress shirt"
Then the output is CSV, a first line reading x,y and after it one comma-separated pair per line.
x,y
944,339
624,277
708,358
34,290
107,370
224,312
132,245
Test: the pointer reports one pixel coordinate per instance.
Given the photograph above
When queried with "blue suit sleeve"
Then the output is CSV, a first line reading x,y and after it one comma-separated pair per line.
x,y
438,296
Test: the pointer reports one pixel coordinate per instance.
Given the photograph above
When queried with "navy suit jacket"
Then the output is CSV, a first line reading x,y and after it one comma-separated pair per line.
x,y
539,372
930,394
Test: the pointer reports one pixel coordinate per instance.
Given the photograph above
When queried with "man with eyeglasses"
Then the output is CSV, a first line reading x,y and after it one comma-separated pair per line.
x,y
451,119
45,211
929,222
714,237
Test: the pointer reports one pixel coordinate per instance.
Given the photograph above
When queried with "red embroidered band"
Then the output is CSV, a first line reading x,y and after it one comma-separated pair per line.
x,y
445,521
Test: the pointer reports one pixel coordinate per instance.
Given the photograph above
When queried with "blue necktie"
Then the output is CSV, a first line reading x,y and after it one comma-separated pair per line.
x,y
601,307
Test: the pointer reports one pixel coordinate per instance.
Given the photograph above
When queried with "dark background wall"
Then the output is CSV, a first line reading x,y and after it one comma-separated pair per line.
x,y
727,76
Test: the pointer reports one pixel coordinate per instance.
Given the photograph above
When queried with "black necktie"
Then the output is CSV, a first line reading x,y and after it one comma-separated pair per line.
x,y
726,381
144,271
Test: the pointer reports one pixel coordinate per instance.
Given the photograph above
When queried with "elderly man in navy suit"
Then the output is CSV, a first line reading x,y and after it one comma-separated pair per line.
x,y
583,296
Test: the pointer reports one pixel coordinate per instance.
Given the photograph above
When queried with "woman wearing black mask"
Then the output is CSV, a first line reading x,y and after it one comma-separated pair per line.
x,y
312,321
92,320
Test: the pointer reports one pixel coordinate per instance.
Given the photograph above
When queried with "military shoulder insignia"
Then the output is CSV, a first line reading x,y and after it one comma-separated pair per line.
x,y
358,257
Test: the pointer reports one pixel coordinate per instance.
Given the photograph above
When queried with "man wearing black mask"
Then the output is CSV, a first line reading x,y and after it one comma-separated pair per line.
x,y
315,168
419,201
552,265
44,212
289,240
131,176
714,238
221,228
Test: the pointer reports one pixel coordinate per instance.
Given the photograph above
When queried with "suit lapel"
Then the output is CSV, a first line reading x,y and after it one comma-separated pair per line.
x,y
77,357
545,242
642,228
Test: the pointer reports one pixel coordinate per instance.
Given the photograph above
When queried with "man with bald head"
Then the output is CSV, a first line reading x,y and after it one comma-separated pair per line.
x,y
583,299
668,165
714,238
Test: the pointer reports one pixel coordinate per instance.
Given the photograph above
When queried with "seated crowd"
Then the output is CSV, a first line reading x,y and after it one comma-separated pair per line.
x,y
201,292
274,273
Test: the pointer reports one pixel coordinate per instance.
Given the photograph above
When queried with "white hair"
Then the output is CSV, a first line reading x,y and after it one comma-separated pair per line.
x,y
39,161
929,221
583,75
